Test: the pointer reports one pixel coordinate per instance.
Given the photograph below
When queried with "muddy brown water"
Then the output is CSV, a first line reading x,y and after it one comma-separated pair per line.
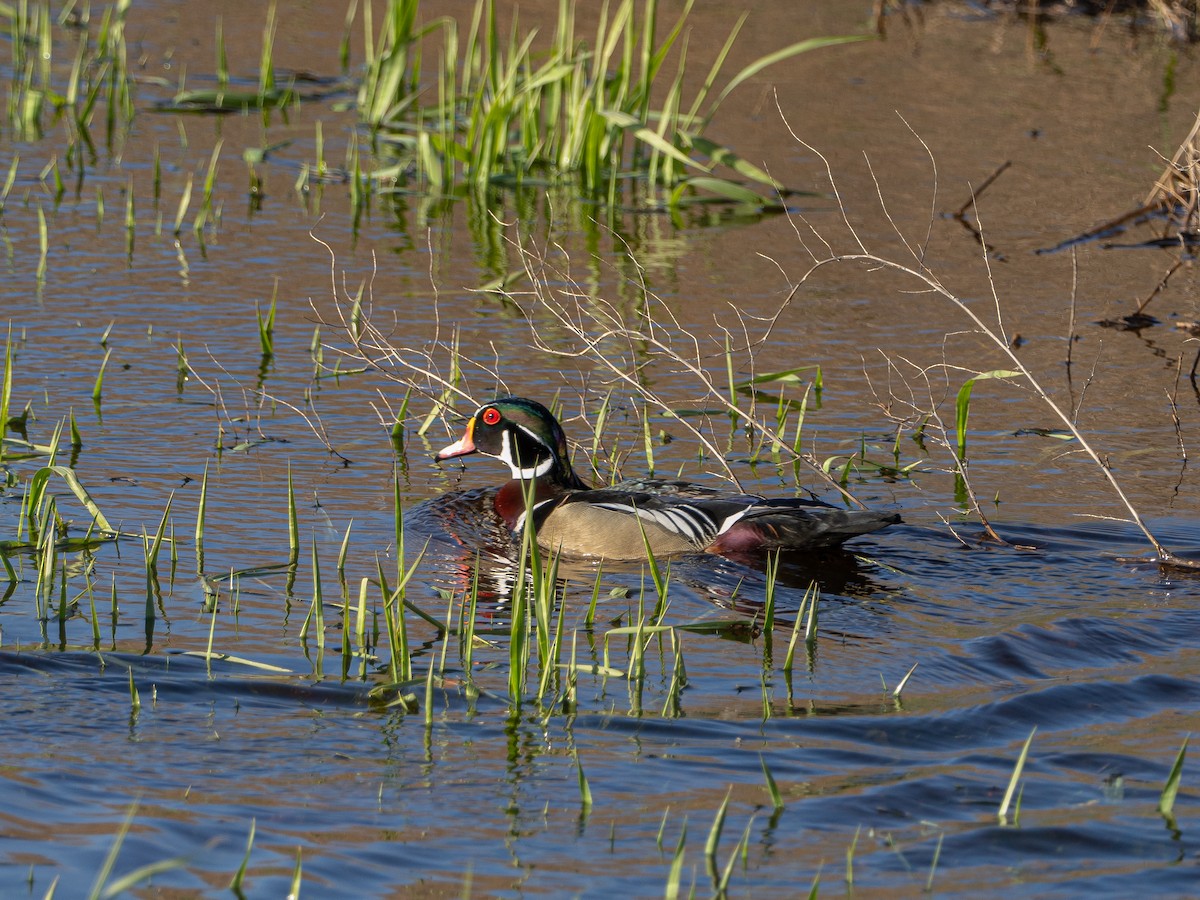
x,y
1098,653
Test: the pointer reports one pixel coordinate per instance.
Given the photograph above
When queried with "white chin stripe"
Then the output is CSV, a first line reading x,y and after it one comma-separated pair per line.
x,y
518,473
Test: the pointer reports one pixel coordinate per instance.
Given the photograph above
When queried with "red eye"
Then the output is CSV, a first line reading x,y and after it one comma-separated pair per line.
x,y
491,416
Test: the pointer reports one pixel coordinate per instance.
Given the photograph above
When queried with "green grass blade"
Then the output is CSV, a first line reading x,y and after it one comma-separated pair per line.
x,y
140,874
185,201
266,324
240,875
111,859
293,520
296,877
962,405
1166,801
714,833
1015,779
37,484
850,851
778,56
585,790
6,388
673,877
772,787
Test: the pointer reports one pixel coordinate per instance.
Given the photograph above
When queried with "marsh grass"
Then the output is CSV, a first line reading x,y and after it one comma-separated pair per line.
x,y
98,68
509,111
766,422
267,94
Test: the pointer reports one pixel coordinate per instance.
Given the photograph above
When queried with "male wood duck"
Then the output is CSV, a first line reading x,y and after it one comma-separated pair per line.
x,y
674,516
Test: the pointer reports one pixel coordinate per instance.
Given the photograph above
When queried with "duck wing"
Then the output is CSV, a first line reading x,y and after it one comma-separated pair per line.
x,y
671,522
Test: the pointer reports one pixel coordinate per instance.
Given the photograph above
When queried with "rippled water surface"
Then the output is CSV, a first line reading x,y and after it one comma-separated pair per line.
x,y
291,751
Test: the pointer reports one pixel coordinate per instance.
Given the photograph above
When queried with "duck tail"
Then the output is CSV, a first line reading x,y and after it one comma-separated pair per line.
x,y
771,527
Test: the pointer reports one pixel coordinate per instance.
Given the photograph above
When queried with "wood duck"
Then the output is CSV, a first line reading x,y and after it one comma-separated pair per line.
x,y
673,516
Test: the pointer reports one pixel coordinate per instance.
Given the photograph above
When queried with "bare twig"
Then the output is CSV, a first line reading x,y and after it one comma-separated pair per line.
x,y
994,332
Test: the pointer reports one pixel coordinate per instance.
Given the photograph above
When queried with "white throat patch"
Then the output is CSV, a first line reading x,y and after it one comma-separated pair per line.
x,y
527,474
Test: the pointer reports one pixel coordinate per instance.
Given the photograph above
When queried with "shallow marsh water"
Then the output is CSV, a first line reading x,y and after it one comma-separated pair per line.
x,y
1061,632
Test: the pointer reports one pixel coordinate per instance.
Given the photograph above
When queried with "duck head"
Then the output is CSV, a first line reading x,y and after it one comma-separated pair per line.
x,y
524,435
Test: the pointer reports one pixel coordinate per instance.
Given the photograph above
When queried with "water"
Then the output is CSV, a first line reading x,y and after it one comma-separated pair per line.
x,y
1064,629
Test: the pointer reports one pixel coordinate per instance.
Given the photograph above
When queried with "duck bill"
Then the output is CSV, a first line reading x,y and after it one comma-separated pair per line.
x,y
461,447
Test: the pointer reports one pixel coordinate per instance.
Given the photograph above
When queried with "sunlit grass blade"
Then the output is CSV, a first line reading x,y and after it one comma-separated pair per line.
x,y
76,437
429,696
111,859
904,681
585,790
98,386
293,520
810,596
399,661
294,891
771,58
810,629
1166,800
152,548
772,787
220,656
9,180
185,201
679,680
6,388
676,871
266,324
962,405
142,873
316,613
590,618
937,853
771,577
43,246
1002,814
37,486
740,850
212,631
714,833
266,64
850,851
201,512
239,876
206,202
222,70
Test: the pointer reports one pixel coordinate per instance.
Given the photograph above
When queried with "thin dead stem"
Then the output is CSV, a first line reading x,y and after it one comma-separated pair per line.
x,y
994,332
371,341
625,346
